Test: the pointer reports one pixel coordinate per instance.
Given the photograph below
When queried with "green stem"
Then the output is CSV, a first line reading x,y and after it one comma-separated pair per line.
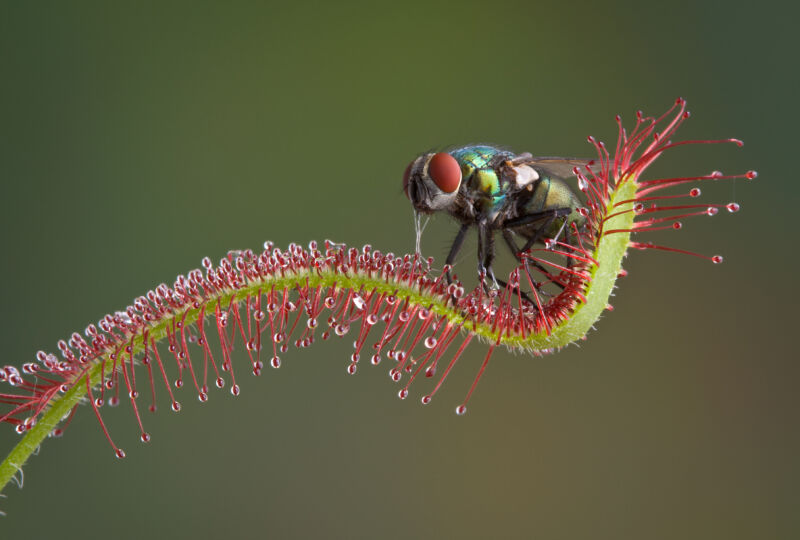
x,y
609,253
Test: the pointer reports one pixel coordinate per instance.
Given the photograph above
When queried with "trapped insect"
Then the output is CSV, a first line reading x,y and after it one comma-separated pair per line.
x,y
496,190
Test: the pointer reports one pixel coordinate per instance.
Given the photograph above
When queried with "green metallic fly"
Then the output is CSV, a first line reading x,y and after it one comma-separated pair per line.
x,y
496,190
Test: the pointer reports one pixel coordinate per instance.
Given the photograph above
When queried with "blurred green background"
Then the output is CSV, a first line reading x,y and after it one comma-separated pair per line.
x,y
134,140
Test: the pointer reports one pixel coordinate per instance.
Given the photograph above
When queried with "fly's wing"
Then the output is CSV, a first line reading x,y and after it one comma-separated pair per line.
x,y
557,167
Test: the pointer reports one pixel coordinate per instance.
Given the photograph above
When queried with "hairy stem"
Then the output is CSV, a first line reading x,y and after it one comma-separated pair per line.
x,y
608,254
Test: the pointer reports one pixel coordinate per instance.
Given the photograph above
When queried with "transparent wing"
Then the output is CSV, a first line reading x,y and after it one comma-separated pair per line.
x,y
558,167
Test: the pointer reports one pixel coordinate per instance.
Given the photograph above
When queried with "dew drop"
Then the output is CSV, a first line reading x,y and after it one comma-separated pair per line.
x,y
311,323
275,362
372,319
712,211
404,316
283,348
751,175
145,437
716,259
113,401
351,369
732,207
430,371
426,399
461,410
694,192
403,394
677,225
235,390
430,342
375,360
120,453
395,374
178,383
355,357
176,406
359,302
98,402
341,329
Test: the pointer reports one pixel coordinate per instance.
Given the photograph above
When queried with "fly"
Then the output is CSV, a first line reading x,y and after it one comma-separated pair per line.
x,y
496,190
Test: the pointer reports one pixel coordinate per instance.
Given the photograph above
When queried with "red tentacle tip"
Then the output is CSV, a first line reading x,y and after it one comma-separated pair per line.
x,y
751,175
716,259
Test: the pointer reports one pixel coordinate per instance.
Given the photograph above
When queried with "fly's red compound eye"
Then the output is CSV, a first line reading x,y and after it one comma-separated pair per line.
x,y
406,177
445,172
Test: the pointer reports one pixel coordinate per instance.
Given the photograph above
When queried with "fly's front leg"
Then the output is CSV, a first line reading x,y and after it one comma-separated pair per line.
x,y
454,249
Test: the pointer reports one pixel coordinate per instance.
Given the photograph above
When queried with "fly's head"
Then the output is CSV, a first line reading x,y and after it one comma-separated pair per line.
x,y
431,182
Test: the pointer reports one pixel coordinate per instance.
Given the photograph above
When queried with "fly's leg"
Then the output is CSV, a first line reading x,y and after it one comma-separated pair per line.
x,y
486,254
454,249
547,216
518,253
525,262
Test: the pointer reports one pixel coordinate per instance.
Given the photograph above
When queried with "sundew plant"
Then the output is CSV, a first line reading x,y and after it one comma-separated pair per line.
x,y
240,316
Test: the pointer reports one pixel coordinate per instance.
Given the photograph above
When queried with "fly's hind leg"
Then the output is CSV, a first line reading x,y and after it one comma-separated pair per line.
x,y
546,217
512,245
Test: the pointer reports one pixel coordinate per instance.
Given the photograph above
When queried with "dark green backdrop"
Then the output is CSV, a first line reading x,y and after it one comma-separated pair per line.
x,y
134,140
